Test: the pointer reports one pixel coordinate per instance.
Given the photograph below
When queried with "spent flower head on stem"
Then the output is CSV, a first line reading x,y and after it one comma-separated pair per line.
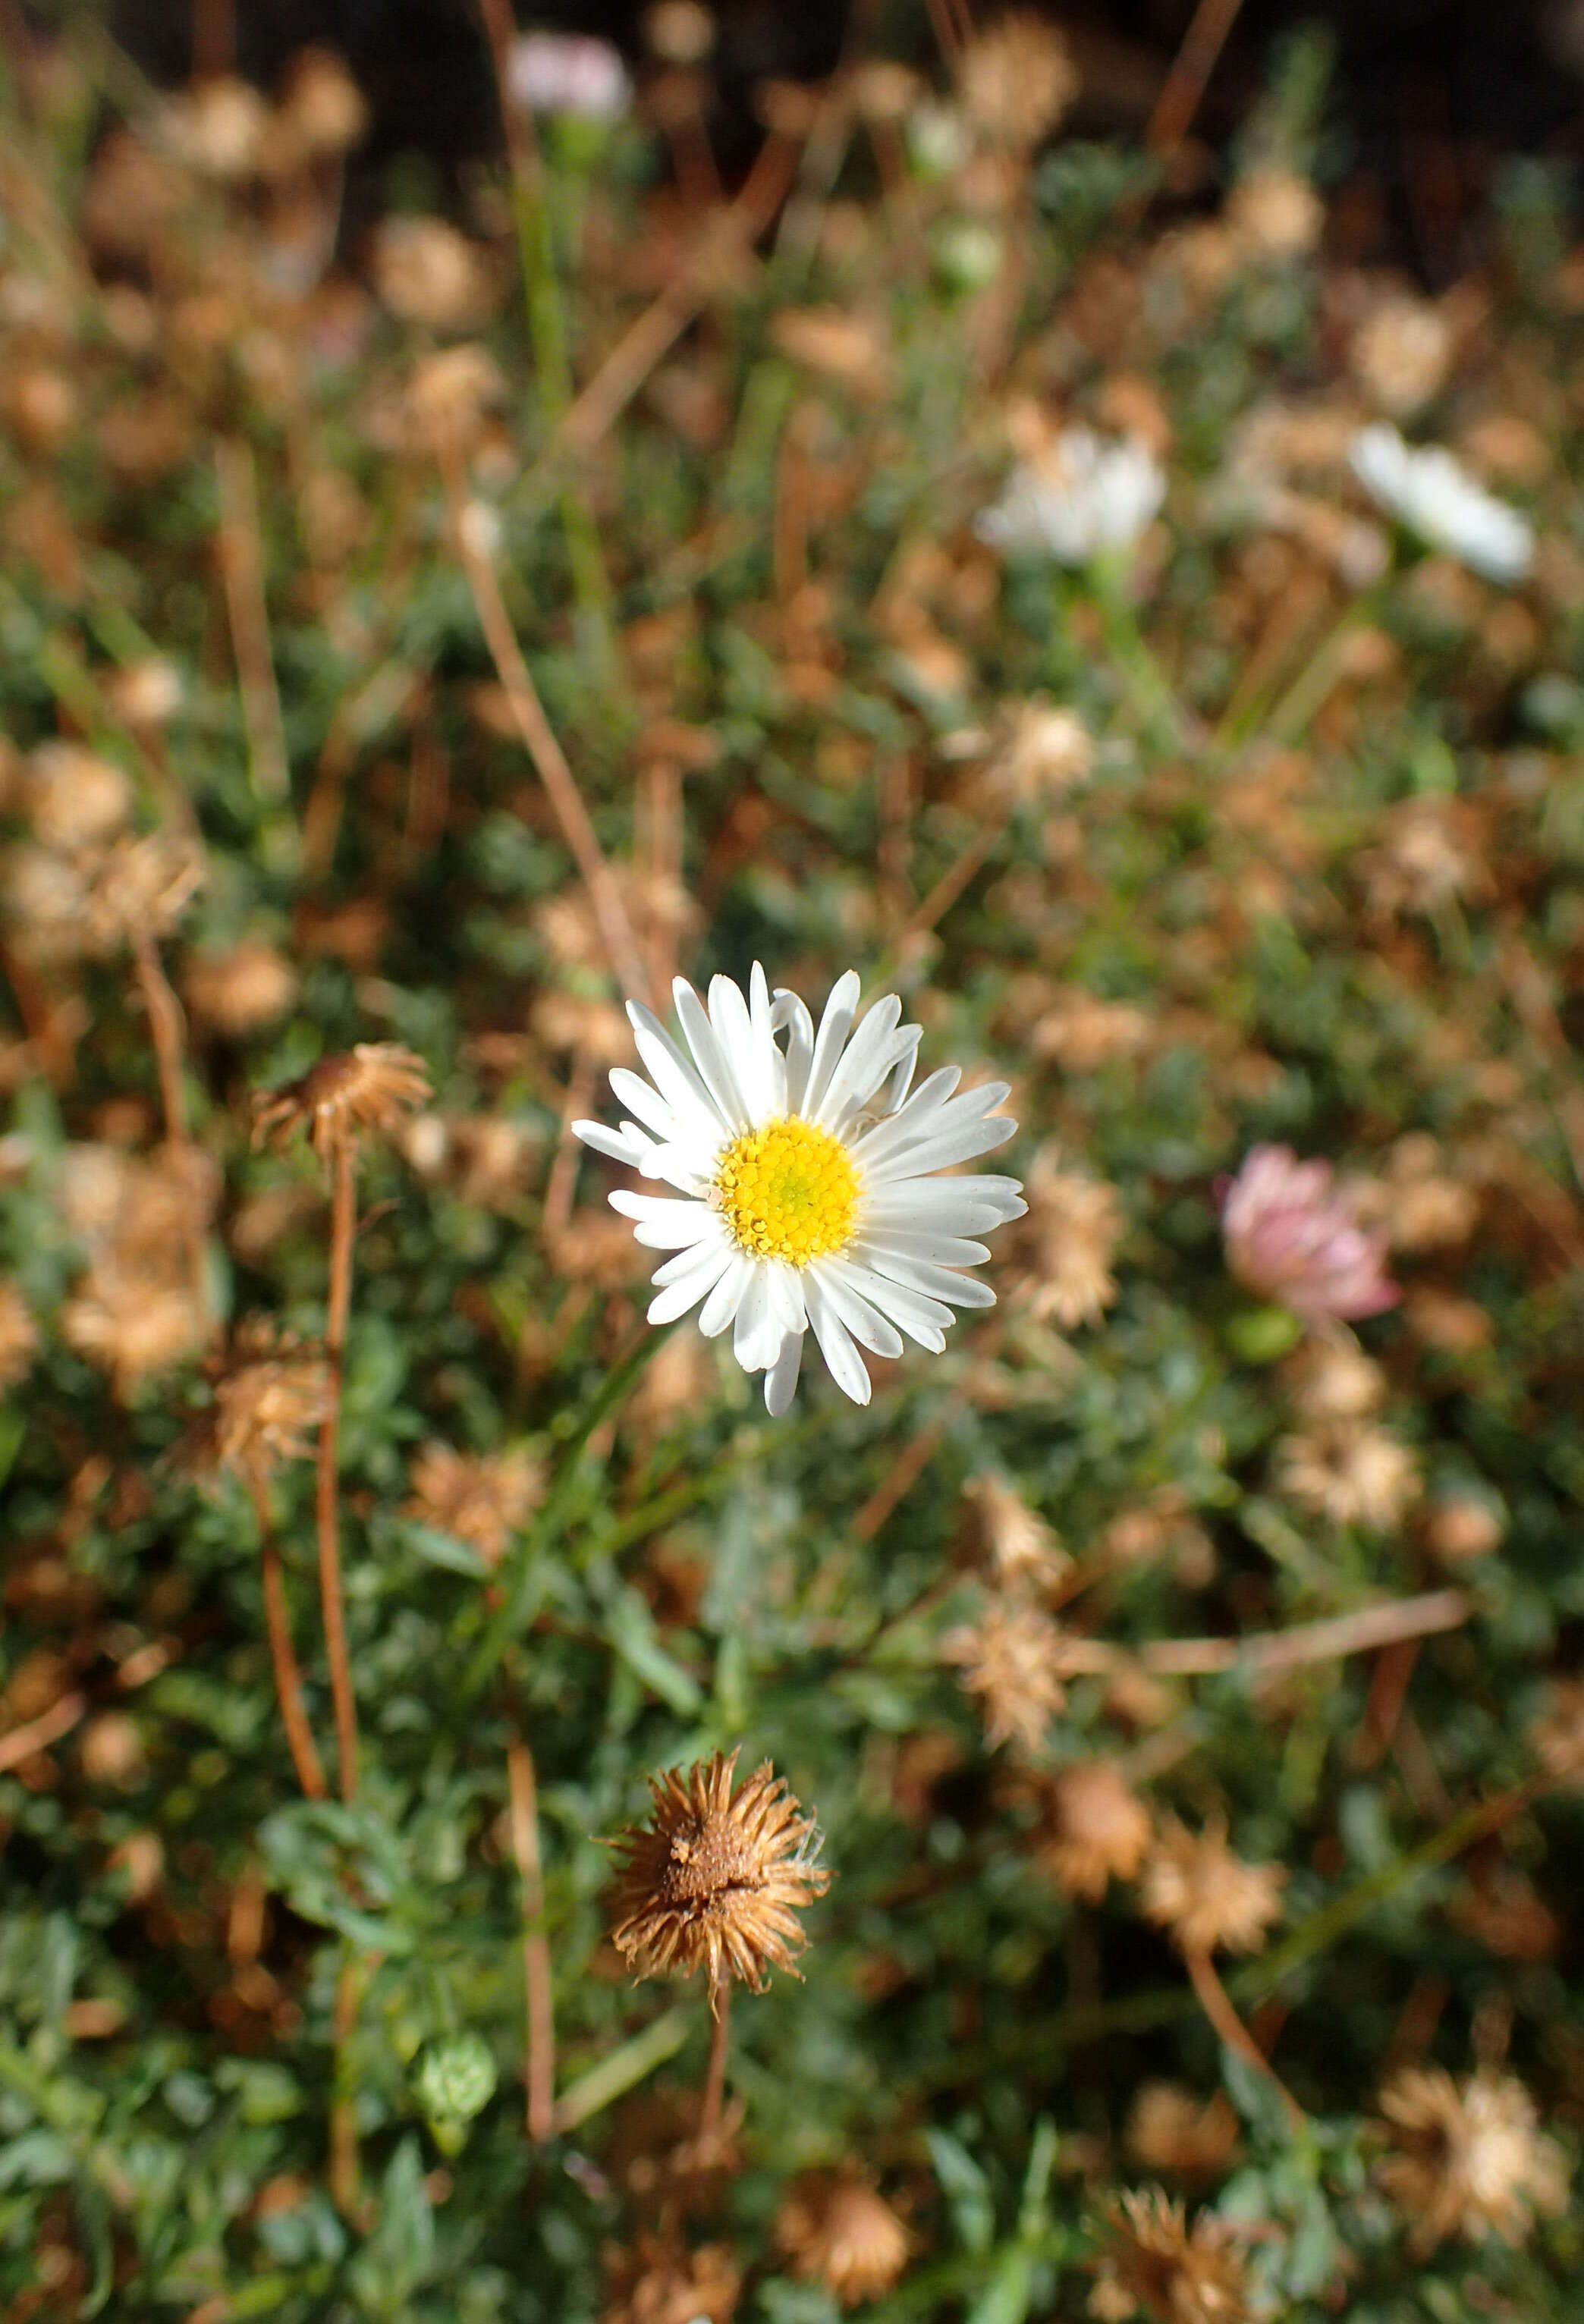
x,y
716,1882
367,1088
1467,2158
1176,2273
1208,1899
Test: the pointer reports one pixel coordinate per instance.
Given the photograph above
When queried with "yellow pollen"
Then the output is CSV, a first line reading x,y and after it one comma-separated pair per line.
x,y
787,1191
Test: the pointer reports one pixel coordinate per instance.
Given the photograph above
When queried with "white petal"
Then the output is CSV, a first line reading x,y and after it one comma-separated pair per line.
x,y
626,1145
710,1057
927,1320
691,1278
865,1063
791,1014
786,1295
768,1061
630,1090
938,1249
845,1364
682,1263
662,1225
834,1024
721,1305
897,1129
755,1065
935,1282
917,1125
672,1075
901,1079
960,1145
755,1334
781,1382
868,1327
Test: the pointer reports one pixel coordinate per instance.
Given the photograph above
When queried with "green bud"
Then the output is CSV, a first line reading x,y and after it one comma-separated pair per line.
x,y
1258,1335
456,2078
967,253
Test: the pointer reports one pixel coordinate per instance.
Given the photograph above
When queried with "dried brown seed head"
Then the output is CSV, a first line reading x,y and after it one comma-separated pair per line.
x,y
1017,79
1350,1472
270,1392
481,1498
1467,2159
1013,1660
839,2230
1171,2130
1021,1546
1099,1830
19,1335
369,1087
1176,2274
237,993
659,2281
716,1883
1210,1900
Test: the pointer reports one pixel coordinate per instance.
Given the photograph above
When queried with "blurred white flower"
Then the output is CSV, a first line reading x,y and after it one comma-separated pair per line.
x,y
1429,492
1083,499
806,1177
569,73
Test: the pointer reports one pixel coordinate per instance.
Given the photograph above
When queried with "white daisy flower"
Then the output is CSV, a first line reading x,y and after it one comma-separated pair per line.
x,y
1085,499
807,1197
1434,496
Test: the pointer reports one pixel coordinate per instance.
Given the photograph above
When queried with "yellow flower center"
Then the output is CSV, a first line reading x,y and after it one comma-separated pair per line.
x,y
787,1191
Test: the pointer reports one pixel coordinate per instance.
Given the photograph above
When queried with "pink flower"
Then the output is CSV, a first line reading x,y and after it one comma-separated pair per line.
x,y
1293,1239
569,73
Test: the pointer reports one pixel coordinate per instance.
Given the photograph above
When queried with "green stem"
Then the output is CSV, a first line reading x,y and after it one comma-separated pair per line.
x,y
518,1575
625,2068
1142,678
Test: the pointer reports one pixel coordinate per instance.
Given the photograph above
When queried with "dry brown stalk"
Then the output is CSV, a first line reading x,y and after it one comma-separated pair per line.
x,y
1189,77
343,1229
719,2042
550,763
950,886
721,240
539,2067
899,1480
165,1028
1230,2029
1265,1653
242,572
283,1661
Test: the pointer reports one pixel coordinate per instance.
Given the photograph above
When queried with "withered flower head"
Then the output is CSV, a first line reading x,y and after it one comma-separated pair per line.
x,y
839,2230
1013,1659
19,1335
1558,1734
1209,1899
368,1087
79,799
140,888
1021,1546
1070,1236
131,1325
427,272
269,1391
1018,79
1350,1472
240,991
1467,2159
659,2281
1170,2129
481,1498
1176,2274
1099,1830
323,109
715,1882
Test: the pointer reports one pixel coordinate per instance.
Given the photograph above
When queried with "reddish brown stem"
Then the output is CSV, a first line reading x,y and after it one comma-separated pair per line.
x,y
164,1016
1189,77
343,1227
1230,2028
287,1676
719,2042
539,2068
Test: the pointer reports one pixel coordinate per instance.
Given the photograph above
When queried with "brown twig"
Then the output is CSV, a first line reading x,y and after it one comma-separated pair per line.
x,y
721,240
621,945
900,1479
300,1740
1231,2030
1265,1653
1189,77
214,38
539,2066
165,1026
343,1229
719,2042
242,572
951,885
